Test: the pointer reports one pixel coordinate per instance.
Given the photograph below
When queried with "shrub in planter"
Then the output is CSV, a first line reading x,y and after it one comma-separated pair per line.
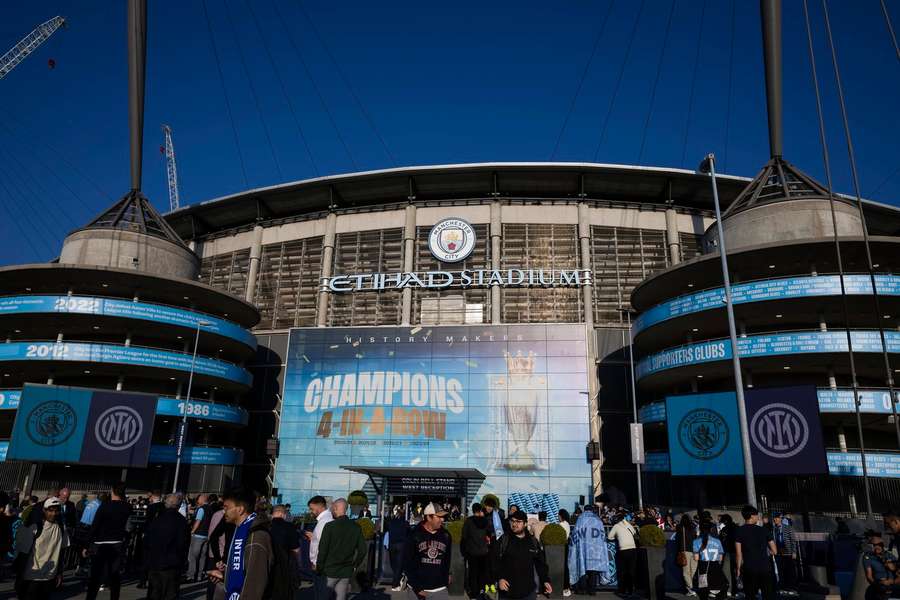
x,y
651,535
358,498
454,528
553,535
368,528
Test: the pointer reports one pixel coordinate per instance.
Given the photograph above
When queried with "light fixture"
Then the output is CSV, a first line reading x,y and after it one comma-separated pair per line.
x,y
778,316
699,376
96,327
690,285
695,329
27,289
887,316
771,266
786,368
172,378
165,420
18,331
87,372
180,337
187,298
6,374
105,284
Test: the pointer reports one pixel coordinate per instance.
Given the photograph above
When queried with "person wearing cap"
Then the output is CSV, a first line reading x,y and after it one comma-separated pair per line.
x,y
755,547
786,544
426,559
39,551
516,558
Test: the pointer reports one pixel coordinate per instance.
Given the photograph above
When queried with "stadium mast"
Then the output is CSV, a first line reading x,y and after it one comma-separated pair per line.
x,y
171,169
29,44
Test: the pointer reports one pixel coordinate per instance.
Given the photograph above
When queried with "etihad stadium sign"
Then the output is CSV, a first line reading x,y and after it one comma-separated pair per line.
x,y
467,278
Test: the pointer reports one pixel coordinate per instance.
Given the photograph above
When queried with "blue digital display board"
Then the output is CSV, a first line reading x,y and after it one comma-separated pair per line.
x,y
129,355
652,413
878,464
769,289
197,455
168,407
112,307
775,344
510,401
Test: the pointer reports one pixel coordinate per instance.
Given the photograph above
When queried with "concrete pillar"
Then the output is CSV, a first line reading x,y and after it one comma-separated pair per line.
x,y
327,264
584,239
409,253
832,380
496,241
842,439
255,252
672,239
120,383
823,325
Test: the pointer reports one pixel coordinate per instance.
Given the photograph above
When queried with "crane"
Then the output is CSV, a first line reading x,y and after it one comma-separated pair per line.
x,y
171,170
29,44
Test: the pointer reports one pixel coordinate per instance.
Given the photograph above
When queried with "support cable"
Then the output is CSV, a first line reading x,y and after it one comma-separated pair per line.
x,y
889,377
659,65
256,102
312,80
46,166
237,143
349,87
687,124
17,222
890,26
612,100
840,263
884,181
584,73
27,216
730,90
284,91
22,172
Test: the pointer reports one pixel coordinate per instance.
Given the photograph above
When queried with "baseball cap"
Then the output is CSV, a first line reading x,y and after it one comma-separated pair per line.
x,y
431,509
49,502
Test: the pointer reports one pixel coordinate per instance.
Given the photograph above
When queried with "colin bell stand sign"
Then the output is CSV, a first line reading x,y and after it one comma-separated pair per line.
x,y
83,426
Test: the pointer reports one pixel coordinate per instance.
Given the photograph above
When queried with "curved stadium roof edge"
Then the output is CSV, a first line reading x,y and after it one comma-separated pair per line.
x,y
464,181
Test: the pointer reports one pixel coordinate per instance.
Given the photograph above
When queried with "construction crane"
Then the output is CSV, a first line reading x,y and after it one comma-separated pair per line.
x,y
29,44
171,170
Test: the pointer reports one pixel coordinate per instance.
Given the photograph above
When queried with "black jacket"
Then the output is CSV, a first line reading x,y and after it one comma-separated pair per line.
x,y
111,522
516,559
475,542
398,529
166,541
426,558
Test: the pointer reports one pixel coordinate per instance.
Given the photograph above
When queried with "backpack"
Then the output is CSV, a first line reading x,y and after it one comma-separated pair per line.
x,y
284,580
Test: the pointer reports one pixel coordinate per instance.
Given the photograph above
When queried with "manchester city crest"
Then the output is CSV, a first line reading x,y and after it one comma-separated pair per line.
x,y
451,240
51,423
703,434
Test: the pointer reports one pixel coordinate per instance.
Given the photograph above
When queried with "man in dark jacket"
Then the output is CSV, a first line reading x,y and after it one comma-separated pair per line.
x,y
398,529
107,541
341,551
475,548
426,557
166,550
516,558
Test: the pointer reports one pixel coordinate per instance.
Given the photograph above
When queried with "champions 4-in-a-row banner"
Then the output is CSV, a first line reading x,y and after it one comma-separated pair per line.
x,y
785,432
83,426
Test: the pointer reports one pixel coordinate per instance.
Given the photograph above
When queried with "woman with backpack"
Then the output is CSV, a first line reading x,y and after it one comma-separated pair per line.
x,y
709,553
475,546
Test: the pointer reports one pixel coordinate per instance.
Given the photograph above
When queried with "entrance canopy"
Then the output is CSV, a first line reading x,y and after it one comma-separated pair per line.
x,y
406,481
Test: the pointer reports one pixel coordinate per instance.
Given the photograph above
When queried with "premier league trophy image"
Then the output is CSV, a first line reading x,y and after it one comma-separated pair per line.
x,y
517,400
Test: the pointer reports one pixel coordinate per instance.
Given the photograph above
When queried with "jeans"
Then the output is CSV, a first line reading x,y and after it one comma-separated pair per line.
x,y
340,586
106,566
477,575
196,557
320,587
755,581
787,572
163,584
395,552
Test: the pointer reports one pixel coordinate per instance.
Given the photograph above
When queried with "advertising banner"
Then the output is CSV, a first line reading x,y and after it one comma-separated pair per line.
x,y
704,436
198,455
785,431
510,401
85,426
849,464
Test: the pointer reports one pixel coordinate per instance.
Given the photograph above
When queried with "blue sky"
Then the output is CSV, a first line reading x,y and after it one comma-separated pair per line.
x,y
437,82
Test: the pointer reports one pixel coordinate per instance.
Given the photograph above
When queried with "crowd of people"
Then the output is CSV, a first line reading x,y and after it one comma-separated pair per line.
x,y
240,546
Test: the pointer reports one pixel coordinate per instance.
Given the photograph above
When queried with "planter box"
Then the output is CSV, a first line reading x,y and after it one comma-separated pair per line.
x,y
556,563
457,572
656,571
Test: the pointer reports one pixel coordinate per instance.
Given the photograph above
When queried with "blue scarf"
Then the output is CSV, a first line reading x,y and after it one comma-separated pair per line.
x,y
587,547
498,526
236,567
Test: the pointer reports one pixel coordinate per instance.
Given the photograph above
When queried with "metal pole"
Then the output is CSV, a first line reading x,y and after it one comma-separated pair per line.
x,y
710,161
182,431
637,466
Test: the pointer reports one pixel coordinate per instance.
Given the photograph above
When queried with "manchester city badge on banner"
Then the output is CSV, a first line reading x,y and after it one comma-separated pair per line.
x,y
704,436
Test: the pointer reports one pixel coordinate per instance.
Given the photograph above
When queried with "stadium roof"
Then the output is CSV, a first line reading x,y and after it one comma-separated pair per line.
x,y
469,182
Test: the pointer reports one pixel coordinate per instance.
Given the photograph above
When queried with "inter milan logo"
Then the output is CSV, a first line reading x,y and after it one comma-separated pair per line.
x,y
118,428
451,240
779,430
51,423
703,433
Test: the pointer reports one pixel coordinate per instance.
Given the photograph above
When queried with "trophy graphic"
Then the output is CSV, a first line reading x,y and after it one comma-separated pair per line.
x,y
519,413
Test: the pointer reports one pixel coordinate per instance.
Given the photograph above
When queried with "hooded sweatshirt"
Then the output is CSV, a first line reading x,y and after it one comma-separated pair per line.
x,y
426,558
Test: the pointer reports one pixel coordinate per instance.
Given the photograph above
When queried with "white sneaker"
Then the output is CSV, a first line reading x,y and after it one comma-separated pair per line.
x,y
567,593
403,583
397,589
691,593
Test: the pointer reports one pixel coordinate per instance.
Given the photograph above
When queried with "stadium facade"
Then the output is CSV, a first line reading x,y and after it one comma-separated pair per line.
x,y
458,329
